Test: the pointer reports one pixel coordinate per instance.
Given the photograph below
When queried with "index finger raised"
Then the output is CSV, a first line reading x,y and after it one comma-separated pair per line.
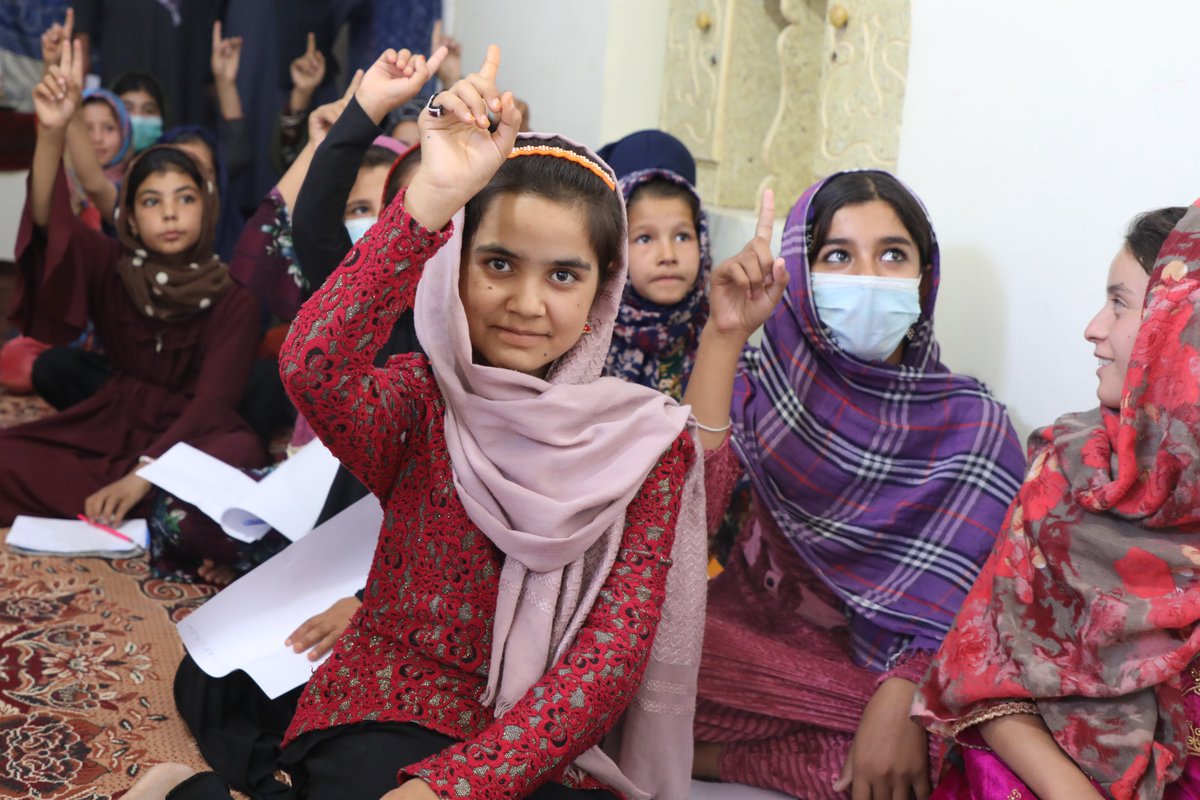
x,y
491,64
766,216
353,87
312,44
69,24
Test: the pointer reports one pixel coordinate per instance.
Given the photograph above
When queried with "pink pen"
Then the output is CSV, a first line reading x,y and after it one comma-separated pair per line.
x,y
104,528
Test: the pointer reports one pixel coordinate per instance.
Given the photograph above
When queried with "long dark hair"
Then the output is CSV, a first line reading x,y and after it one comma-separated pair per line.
x,y
134,80
853,188
560,181
1148,233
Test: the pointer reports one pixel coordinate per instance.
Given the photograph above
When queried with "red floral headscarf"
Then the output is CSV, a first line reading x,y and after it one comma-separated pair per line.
x,y
1086,612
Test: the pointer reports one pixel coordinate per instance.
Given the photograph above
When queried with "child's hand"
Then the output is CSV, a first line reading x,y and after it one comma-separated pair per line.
x,y
307,73
323,117
110,505
57,96
890,753
54,38
450,72
746,288
458,153
394,79
226,55
322,631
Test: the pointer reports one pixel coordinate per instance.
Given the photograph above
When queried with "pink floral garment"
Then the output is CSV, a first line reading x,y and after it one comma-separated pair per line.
x,y
1086,613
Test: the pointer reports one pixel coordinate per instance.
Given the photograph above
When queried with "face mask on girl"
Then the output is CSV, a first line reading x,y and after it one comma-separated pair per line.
x,y
867,315
358,226
146,131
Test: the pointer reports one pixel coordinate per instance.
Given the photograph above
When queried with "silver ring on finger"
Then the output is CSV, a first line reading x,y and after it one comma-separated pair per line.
x,y
435,110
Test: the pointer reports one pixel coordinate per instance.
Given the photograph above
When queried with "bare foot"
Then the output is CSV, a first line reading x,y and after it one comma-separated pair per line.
x,y
158,780
706,761
217,574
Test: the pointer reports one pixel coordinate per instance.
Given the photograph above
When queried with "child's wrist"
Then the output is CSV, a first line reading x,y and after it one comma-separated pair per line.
x,y
299,100
427,204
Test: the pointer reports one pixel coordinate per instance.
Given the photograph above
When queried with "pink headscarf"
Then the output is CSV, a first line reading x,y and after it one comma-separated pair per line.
x,y
546,469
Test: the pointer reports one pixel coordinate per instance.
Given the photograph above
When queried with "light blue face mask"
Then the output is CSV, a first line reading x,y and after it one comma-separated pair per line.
x,y
867,315
358,226
146,131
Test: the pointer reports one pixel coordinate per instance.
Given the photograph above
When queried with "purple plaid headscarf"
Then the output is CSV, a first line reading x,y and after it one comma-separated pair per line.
x,y
890,481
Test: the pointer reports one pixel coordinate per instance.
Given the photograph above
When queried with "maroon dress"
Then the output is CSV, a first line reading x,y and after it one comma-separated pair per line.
x,y
172,381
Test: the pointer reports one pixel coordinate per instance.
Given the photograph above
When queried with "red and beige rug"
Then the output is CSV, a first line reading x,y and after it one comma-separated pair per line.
x,y
88,654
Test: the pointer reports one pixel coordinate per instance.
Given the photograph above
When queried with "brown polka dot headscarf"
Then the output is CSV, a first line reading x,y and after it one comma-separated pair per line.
x,y
175,287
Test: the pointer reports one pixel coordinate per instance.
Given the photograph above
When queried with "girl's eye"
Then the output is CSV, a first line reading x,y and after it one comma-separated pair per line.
x,y
499,265
358,211
149,202
563,276
836,257
187,198
642,238
894,254
1117,302
683,237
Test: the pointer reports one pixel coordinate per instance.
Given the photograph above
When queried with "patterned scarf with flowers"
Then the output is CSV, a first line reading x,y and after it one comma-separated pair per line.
x,y
1087,611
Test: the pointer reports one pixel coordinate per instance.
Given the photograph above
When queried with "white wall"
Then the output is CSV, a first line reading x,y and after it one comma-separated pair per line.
x,y
589,70
1034,131
12,201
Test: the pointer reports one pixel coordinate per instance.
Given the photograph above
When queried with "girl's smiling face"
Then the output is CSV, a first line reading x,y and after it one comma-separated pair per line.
x,y
664,250
103,129
168,212
527,282
1113,331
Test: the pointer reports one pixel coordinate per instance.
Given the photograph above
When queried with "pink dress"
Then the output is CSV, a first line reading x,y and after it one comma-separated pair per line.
x,y
981,775
778,687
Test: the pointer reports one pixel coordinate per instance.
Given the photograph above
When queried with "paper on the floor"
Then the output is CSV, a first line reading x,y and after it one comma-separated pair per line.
x,y
72,537
289,499
244,626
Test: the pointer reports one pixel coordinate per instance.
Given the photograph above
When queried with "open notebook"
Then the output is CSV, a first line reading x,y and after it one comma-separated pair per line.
x,y
70,537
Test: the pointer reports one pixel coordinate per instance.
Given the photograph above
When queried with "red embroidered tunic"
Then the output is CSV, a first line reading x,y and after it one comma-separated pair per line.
x,y
419,648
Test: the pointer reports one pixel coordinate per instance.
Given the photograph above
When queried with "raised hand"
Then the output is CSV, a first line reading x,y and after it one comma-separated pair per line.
x,y
226,55
394,79
458,153
323,117
54,38
746,288
307,70
57,96
450,72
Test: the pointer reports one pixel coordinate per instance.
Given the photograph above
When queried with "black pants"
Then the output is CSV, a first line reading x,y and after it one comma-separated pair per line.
x,y
360,762
64,376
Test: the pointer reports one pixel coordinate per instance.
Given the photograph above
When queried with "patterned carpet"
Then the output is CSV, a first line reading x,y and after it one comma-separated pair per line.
x,y
87,659
16,409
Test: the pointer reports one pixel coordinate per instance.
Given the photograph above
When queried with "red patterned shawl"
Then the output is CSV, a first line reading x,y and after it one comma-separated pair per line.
x,y
1088,607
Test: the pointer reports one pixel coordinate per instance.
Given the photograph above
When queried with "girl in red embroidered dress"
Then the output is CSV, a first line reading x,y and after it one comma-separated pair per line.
x,y
540,573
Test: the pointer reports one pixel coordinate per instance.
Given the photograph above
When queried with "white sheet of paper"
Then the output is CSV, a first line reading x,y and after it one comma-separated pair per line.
x,y
289,499
244,626
72,536
208,483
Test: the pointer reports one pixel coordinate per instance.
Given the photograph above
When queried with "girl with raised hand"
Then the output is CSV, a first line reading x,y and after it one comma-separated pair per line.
x,y
179,335
879,477
665,304
1072,670
539,578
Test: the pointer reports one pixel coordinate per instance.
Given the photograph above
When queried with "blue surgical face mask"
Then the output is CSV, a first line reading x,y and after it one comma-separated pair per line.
x,y
146,131
867,315
358,226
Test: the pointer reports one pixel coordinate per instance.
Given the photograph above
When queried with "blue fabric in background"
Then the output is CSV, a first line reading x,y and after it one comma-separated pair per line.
x,y
22,23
